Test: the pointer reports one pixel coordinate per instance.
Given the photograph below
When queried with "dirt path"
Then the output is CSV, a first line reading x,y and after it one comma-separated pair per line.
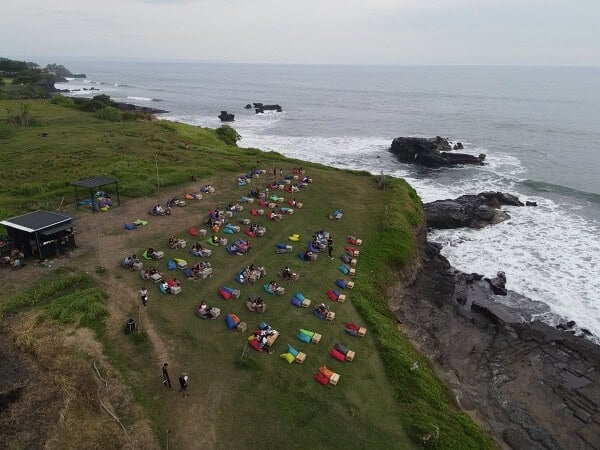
x,y
102,243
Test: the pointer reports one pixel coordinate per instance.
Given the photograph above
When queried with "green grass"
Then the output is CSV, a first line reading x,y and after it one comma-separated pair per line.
x,y
379,401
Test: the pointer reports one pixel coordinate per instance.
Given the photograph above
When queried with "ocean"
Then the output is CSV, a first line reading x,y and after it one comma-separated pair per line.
x,y
539,126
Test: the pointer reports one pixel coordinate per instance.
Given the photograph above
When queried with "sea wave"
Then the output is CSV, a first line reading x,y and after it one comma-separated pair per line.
x,y
542,186
139,99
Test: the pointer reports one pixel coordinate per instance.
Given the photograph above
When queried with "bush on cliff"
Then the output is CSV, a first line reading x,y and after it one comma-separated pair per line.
x,y
228,135
109,113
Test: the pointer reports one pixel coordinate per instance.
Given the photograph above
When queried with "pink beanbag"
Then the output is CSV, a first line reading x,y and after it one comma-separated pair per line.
x,y
322,379
337,355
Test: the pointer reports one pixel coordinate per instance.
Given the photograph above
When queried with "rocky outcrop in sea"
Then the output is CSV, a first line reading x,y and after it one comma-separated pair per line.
x,y
431,152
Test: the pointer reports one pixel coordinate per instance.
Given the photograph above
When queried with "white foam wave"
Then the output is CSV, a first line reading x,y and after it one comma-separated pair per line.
x,y
139,99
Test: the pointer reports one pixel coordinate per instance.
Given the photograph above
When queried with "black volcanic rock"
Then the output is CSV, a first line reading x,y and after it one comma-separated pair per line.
x,y
260,108
226,117
474,211
431,152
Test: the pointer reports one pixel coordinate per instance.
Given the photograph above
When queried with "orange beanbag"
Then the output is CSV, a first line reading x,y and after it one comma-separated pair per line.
x,y
323,370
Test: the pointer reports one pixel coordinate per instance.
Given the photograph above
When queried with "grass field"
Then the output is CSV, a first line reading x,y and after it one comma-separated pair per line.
x,y
260,399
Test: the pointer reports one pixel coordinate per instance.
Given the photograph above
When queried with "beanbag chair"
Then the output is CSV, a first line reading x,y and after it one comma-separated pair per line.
x,y
253,212
162,288
292,350
303,337
340,348
299,296
318,314
210,241
281,245
308,333
129,226
321,379
344,269
228,230
187,272
301,256
346,258
194,232
141,223
337,355
288,357
268,289
294,237
325,371
171,265
341,283
297,303
254,344
333,295
223,293
231,320
262,203
351,332
249,233
313,249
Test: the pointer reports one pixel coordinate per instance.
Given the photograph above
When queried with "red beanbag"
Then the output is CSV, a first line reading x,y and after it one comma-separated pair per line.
x,y
322,379
337,355
262,203
255,346
253,212
351,326
249,233
223,293
194,232
332,295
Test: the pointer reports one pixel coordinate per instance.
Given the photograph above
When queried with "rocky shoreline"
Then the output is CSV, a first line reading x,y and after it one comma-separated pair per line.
x,y
531,385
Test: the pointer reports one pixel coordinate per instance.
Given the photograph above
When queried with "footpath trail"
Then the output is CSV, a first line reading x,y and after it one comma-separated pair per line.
x,y
102,243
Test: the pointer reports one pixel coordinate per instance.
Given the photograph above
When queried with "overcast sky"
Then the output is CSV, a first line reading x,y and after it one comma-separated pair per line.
x,y
307,31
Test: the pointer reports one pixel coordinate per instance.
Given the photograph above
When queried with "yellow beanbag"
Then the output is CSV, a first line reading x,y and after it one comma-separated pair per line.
x,y
288,357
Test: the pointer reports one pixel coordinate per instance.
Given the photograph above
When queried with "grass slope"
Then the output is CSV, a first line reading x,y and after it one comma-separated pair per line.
x,y
260,398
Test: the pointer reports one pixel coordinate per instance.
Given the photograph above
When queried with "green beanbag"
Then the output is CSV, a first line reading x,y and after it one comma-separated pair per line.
x,y
288,357
306,332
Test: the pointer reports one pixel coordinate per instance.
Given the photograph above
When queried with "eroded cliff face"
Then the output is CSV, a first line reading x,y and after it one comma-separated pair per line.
x,y
532,386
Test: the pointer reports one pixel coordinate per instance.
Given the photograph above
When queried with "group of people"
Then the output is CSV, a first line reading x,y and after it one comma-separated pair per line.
x,y
130,261
158,210
149,273
257,304
152,253
197,270
15,259
204,311
262,337
251,274
169,284
199,250
321,311
288,274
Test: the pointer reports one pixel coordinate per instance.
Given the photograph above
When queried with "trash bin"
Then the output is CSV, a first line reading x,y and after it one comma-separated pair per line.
x,y
129,326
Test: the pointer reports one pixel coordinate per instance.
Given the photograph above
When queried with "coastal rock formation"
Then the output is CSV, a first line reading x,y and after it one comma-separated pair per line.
x,y
431,152
248,106
226,117
474,211
533,386
136,108
260,108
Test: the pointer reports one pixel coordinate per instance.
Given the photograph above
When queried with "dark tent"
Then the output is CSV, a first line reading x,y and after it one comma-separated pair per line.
x,y
44,233
92,184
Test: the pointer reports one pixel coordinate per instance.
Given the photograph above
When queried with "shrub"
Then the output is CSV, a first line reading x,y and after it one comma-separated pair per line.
x,y
228,135
61,100
109,113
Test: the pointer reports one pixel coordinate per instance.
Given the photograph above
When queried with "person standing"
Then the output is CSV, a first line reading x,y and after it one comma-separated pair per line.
x,y
183,383
166,379
144,295
330,247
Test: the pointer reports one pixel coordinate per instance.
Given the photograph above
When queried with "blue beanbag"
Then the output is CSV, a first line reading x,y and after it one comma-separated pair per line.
x,y
171,265
228,231
292,350
344,269
299,296
228,289
301,256
303,337
281,246
129,226
263,326
230,322
341,283
188,272
297,303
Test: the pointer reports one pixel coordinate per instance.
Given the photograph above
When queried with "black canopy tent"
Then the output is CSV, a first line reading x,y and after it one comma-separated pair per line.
x,y
43,232
93,184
